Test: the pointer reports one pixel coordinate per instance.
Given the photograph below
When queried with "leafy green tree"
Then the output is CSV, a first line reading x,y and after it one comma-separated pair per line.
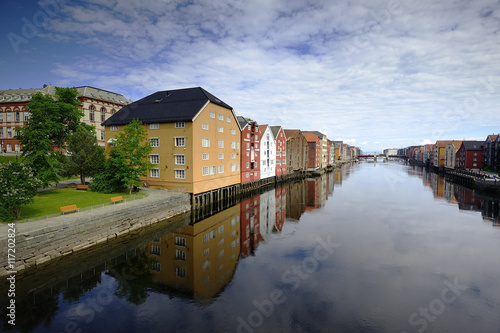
x,y
128,160
86,156
129,156
46,131
18,187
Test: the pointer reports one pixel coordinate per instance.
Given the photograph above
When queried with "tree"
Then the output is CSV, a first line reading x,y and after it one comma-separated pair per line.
x,y
128,160
86,156
46,131
18,187
129,156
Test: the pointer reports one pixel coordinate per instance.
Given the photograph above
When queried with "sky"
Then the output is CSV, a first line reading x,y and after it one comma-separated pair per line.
x,y
376,74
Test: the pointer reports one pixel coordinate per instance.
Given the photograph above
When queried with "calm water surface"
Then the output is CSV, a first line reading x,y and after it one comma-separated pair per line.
x,y
369,248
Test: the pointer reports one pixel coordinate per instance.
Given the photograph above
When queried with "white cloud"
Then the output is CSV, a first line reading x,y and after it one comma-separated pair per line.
x,y
369,71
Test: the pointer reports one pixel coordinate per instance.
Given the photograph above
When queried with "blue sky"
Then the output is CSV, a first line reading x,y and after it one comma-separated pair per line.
x,y
376,74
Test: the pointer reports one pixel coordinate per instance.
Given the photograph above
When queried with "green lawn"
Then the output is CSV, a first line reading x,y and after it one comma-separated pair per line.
x,y
49,202
6,159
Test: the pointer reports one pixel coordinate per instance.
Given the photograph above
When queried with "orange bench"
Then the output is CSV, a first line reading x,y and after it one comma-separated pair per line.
x,y
117,199
82,187
70,208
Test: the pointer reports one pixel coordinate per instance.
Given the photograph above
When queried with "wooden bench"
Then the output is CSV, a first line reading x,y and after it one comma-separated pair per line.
x,y
70,208
82,187
117,199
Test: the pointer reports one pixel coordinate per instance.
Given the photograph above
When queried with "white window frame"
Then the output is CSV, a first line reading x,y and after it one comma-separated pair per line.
x,y
180,124
180,174
205,157
205,171
228,119
212,115
154,126
221,168
221,156
221,129
213,170
154,142
177,158
183,141
154,159
220,143
221,117
233,132
113,128
154,173
204,126
205,143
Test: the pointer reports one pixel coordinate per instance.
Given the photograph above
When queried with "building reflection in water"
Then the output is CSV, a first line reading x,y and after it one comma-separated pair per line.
x,y
465,198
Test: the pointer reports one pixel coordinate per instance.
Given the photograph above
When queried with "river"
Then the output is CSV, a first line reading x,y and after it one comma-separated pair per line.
x,y
370,247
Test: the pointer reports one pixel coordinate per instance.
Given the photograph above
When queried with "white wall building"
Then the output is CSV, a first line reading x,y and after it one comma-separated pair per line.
x,y
267,153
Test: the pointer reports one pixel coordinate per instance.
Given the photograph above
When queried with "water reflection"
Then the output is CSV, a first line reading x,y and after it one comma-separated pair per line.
x,y
213,272
465,198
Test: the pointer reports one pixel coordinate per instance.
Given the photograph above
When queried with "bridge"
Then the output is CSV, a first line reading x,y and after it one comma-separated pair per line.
x,y
390,156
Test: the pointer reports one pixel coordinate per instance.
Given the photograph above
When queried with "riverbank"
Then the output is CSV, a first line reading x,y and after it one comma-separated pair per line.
x,y
39,242
476,180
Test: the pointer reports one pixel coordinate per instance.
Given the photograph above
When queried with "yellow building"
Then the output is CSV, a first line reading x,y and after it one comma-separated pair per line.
x,y
195,138
199,258
440,152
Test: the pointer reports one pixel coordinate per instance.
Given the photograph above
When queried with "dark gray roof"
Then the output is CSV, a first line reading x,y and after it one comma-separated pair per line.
x,y
165,107
243,121
473,145
275,130
321,135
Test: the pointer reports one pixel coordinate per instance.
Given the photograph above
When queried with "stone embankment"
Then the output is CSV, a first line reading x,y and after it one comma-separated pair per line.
x,y
38,242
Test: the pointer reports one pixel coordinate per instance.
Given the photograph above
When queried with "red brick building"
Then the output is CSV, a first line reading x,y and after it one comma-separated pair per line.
x,y
280,138
250,150
470,155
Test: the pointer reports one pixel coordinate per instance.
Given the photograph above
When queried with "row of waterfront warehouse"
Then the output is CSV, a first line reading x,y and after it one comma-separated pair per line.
x,y
456,154
199,143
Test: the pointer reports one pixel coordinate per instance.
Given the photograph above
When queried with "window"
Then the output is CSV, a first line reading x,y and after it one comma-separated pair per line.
x,y
233,167
9,132
204,126
233,132
180,174
18,116
221,129
113,111
180,141
212,170
180,241
233,145
207,250
248,175
154,126
180,255
221,117
205,143
205,171
237,167
102,135
156,266
180,124
154,173
233,156
212,115
237,145
154,159
228,119
113,128
248,165
221,156
155,250
92,113
221,143
204,157
103,114
154,142
221,169
179,159
180,271
1,116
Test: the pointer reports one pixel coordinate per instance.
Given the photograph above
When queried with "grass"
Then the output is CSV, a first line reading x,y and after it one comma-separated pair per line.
x,y
49,202
7,159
